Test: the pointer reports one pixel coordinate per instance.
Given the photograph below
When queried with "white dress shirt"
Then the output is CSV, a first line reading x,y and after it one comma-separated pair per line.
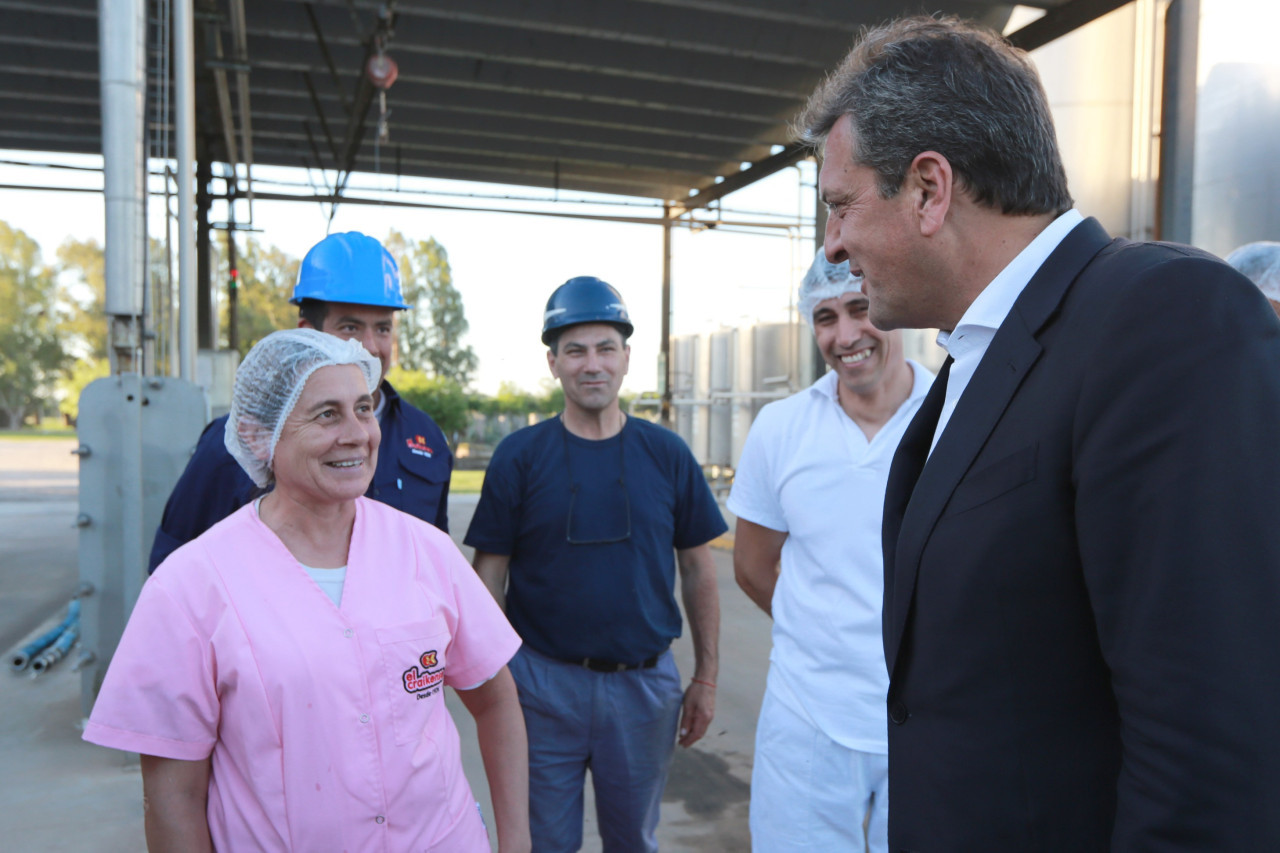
x,y
967,343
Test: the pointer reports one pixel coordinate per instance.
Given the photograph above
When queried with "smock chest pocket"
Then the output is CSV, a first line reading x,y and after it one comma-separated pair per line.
x,y
413,656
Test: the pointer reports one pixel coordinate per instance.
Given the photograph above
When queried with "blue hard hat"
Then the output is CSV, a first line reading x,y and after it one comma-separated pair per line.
x,y
352,268
584,299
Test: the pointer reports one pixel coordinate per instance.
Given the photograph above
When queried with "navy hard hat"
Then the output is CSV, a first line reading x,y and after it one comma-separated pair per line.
x,y
584,299
349,267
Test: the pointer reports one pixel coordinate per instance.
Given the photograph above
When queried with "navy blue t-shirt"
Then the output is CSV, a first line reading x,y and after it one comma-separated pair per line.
x,y
597,581
412,475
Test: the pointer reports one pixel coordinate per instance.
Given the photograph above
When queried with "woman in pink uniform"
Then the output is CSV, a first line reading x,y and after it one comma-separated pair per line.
x,y
282,675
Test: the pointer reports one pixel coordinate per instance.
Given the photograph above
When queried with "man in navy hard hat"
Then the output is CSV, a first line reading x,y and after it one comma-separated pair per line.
x,y
582,522
348,286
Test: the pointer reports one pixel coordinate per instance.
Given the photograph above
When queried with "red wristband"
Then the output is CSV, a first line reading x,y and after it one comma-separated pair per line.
x,y
710,684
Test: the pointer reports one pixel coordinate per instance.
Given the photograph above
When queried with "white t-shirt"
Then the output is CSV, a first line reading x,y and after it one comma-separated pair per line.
x,y
331,581
809,470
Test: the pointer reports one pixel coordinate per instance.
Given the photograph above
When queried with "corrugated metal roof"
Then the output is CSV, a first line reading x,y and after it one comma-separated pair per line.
x,y
652,98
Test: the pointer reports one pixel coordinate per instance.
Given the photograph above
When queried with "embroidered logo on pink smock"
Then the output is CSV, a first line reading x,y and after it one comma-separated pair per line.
x,y
417,680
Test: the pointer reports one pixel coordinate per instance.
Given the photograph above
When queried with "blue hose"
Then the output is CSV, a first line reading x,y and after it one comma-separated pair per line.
x,y
22,658
58,650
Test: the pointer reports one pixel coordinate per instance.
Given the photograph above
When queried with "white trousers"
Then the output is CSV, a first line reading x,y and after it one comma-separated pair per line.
x,y
809,793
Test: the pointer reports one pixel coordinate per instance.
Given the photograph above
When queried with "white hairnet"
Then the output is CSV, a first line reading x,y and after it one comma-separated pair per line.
x,y
269,383
823,281
1260,262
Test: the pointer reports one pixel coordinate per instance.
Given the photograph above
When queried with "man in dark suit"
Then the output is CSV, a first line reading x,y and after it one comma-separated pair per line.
x,y
1082,567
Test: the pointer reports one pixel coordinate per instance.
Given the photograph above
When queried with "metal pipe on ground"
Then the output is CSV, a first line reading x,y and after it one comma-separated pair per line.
x,y
57,651
22,657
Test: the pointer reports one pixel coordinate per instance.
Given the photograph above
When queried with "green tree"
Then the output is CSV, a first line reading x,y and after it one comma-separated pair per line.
x,y
443,399
83,293
551,400
31,351
70,386
86,297
430,336
511,399
264,285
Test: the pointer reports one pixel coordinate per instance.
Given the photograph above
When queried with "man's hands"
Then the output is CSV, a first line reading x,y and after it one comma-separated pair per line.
x,y
702,608
696,712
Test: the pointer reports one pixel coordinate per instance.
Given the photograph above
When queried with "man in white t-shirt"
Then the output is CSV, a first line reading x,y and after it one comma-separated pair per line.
x,y
809,491
1260,263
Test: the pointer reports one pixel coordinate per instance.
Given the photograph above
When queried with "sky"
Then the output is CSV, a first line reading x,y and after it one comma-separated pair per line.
x,y
504,265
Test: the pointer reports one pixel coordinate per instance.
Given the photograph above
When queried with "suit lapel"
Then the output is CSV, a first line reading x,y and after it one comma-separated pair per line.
x,y
1006,363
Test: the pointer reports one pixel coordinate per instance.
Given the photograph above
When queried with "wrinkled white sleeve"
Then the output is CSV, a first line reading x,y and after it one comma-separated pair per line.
x,y
755,495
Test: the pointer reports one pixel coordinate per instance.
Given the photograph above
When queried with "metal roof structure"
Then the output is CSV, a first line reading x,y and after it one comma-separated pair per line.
x,y
680,100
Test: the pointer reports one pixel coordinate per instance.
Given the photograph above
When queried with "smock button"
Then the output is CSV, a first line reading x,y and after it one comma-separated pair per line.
x,y
379,819
364,718
898,712
348,633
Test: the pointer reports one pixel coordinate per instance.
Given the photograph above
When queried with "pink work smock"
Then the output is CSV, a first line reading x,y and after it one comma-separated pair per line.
x,y
326,725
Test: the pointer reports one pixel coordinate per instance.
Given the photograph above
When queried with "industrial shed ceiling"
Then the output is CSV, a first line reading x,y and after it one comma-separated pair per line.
x,y
665,99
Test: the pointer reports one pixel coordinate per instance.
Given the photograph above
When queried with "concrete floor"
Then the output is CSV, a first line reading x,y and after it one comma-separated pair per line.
x,y
60,794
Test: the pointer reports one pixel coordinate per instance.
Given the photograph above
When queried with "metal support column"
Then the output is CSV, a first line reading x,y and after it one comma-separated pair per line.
x,y
819,238
1178,121
184,87
819,218
233,279
205,320
664,353
135,432
122,45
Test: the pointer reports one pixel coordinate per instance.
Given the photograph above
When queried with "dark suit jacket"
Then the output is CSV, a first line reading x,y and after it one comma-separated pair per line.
x,y
1082,585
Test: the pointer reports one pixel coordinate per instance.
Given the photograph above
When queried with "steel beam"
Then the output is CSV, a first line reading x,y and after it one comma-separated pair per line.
x,y
328,58
592,217
223,92
240,43
793,153
576,19
1059,21
324,122
360,104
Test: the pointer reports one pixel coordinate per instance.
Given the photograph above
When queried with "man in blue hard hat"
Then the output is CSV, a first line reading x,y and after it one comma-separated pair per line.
x,y
581,524
348,286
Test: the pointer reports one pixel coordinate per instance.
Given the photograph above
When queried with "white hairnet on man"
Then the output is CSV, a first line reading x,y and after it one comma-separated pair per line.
x,y
824,280
268,384
1260,263
820,776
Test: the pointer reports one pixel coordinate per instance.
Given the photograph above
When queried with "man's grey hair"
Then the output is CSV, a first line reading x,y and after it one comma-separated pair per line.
x,y
1260,263
941,84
